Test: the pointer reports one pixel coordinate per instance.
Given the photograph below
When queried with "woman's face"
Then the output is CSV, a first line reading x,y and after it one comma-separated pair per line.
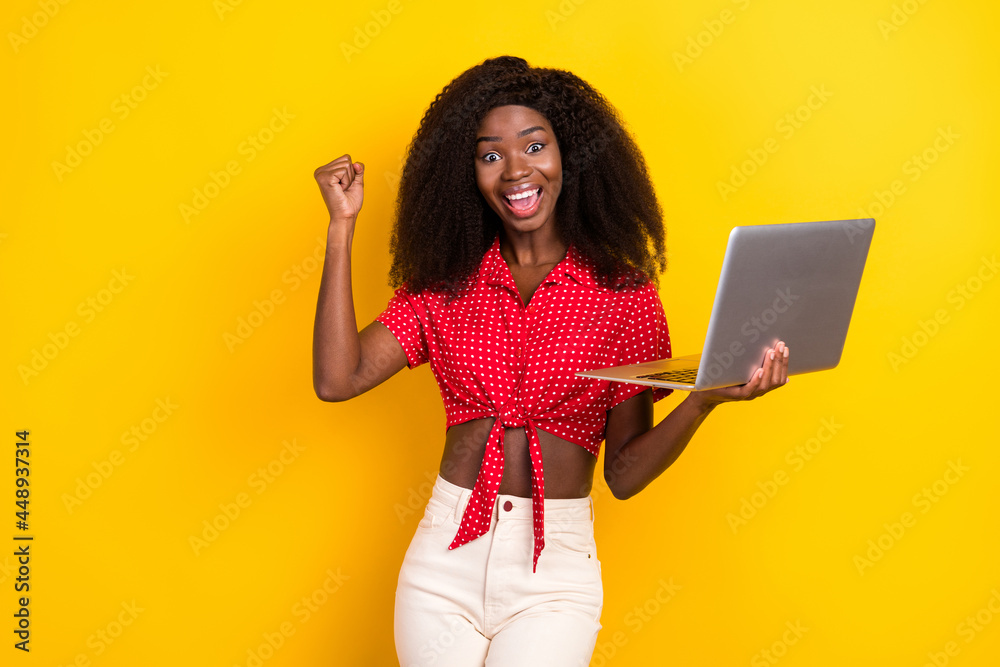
x,y
519,167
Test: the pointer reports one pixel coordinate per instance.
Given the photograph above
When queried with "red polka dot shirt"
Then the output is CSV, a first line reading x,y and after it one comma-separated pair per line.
x,y
494,357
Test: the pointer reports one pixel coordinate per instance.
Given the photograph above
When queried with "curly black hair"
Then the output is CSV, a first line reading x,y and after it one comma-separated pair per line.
x,y
607,208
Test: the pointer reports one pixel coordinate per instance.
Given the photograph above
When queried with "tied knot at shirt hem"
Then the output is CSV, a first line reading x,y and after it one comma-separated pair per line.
x,y
478,514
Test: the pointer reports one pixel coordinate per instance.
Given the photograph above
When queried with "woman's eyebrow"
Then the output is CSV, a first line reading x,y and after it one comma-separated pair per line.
x,y
519,134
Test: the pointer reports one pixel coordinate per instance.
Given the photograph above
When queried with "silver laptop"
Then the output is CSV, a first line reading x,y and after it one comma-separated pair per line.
x,y
794,282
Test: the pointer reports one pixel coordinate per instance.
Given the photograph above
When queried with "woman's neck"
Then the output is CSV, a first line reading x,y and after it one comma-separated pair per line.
x,y
538,248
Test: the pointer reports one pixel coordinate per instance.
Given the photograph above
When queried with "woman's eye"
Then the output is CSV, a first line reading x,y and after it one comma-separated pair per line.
x,y
491,157
532,146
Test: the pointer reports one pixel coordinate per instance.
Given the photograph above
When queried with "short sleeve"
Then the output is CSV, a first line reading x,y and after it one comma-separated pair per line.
x,y
646,339
402,317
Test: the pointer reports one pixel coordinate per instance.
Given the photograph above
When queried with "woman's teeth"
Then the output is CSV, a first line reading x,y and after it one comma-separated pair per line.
x,y
524,201
522,195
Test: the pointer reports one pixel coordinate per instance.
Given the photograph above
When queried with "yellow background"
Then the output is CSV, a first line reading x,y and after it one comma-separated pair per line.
x,y
341,510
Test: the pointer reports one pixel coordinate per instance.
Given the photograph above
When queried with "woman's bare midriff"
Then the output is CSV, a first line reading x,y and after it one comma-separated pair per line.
x,y
569,468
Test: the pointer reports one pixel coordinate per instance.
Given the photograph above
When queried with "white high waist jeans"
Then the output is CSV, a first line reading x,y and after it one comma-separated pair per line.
x,y
480,603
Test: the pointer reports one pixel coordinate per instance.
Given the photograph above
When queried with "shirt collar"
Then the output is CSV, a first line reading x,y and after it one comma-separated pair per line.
x,y
574,265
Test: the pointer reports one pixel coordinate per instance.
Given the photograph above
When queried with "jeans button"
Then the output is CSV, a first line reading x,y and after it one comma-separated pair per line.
x,y
507,506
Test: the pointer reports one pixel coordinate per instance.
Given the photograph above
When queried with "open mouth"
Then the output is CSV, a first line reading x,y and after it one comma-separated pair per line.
x,y
524,203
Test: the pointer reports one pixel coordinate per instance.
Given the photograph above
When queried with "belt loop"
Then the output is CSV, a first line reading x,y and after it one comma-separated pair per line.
x,y
593,514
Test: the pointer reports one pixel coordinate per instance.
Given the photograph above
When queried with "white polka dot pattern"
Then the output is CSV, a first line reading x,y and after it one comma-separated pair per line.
x,y
494,357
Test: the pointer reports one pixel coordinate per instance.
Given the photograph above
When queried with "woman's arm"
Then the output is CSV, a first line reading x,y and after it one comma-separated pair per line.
x,y
346,363
637,452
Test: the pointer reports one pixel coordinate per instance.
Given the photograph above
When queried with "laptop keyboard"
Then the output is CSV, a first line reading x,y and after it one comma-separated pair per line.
x,y
687,376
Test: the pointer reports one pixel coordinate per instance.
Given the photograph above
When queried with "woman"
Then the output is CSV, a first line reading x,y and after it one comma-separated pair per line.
x,y
526,246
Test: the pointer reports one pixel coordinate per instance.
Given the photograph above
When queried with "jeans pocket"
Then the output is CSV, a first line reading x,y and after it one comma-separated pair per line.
x,y
572,539
426,522
436,514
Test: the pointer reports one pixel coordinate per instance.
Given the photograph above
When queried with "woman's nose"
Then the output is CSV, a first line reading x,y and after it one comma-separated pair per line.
x,y
516,167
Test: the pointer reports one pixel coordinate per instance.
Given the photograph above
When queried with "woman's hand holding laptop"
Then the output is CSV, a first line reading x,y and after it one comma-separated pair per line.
x,y
772,374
